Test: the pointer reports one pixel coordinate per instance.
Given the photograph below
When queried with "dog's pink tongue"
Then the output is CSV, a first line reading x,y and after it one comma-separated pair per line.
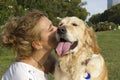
x,y
63,47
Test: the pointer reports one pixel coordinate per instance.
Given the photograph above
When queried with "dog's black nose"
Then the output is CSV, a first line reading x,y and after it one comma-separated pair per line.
x,y
61,30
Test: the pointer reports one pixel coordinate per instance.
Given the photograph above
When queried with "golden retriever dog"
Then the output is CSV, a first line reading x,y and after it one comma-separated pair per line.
x,y
79,55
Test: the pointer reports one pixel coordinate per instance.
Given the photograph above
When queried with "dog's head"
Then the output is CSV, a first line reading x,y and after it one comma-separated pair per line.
x,y
72,34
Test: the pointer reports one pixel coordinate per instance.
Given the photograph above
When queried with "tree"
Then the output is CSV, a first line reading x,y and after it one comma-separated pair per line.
x,y
95,18
112,14
52,8
10,8
56,8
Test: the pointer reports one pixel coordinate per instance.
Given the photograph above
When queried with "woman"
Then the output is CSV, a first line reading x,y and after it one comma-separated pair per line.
x,y
32,37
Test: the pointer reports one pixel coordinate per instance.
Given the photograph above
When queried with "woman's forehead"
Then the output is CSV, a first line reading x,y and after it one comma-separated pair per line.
x,y
44,20
43,23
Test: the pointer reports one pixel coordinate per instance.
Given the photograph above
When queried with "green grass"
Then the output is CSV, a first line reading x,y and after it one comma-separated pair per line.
x,y
6,58
109,43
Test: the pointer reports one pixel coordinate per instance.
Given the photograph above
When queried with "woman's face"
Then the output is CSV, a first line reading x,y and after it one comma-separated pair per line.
x,y
47,33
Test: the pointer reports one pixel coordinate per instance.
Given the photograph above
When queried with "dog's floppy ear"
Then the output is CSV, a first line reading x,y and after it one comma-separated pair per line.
x,y
58,21
91,40
59,18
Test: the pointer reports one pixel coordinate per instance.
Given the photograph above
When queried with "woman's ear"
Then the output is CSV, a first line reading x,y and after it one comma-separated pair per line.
x,y
37,45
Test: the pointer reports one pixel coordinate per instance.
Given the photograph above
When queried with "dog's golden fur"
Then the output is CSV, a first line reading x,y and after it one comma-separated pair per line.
x,y
85,57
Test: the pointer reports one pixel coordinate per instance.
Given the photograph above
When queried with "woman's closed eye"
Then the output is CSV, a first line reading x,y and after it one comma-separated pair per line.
x,y
50,28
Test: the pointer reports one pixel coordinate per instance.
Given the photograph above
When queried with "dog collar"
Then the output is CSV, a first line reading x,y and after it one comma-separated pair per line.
x,y
87,76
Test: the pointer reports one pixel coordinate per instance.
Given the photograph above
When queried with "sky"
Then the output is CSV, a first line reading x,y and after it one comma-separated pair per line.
x,y
95,6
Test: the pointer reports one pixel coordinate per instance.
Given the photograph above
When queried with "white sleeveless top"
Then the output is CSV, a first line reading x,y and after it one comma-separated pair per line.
x,y
23,71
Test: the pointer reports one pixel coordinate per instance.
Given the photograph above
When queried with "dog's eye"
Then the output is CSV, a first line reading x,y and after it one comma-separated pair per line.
x,y
60,24
74,24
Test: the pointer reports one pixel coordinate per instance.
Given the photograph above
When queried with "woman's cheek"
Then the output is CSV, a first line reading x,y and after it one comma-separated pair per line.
x,y
52,39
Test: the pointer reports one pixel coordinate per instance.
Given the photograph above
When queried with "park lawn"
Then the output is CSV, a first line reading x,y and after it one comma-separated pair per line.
x,y
6,58
109,43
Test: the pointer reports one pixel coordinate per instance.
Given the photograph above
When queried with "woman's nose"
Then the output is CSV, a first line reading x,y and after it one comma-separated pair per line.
x,y
55,28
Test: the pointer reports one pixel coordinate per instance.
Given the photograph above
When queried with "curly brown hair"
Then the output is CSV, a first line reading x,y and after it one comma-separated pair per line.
x,y
19,33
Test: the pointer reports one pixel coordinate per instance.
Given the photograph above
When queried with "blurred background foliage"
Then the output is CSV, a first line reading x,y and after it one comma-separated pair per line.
x,y
110,18
52,8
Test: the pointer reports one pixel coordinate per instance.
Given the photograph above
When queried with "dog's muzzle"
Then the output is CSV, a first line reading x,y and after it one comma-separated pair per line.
x,y
64,44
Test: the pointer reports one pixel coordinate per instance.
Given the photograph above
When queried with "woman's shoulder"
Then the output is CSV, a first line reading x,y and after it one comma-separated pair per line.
x,y
21,67
17,70
23,71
